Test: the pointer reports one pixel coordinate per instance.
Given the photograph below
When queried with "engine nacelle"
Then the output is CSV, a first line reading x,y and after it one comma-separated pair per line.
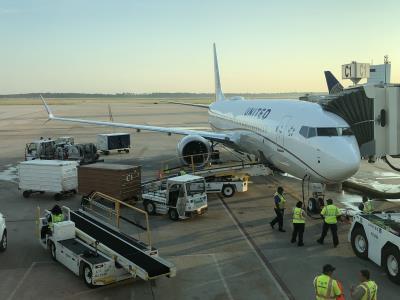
x,y
194,146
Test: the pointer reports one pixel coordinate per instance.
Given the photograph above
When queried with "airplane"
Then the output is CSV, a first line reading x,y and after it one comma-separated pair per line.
x,y
296,137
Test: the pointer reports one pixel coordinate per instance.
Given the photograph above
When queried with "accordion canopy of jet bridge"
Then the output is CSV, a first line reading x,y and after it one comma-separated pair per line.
x,y
134,252
372,111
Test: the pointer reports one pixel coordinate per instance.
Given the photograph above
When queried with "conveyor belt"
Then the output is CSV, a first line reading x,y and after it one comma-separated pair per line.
x,y
104,234
126,238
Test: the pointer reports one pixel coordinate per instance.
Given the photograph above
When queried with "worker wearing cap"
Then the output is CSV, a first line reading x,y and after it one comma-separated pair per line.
x,y
367,205
366,290
279,209
326,288
330,213
299,223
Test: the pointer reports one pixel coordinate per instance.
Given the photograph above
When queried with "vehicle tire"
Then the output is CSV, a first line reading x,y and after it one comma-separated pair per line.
x,y
391,263
359,242
53,253
173,214
149,207
26,194
3,242
119,151
74,192
312,205
87,275
106,152
228,190
126,150
57,197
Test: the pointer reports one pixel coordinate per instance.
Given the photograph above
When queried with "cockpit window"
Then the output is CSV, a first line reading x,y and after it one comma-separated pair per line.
x,y
327,131
304,131
309,132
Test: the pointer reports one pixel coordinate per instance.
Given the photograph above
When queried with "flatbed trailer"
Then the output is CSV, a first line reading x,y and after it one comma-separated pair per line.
x,y
100,253
377,237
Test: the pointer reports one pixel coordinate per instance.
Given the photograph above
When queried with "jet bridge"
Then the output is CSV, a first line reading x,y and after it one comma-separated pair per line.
x,y
372,111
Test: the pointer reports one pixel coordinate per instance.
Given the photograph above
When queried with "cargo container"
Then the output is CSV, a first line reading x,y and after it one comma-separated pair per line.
x,y
119,181
55,176
113,141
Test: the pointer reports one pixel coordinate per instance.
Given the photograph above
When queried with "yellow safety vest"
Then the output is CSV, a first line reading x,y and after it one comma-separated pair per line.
x,y
326,288
282,201
330,213
298,216
371,290
368,207
56,219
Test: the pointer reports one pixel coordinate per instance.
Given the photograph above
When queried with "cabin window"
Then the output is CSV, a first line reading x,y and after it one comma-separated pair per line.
x,y
312,132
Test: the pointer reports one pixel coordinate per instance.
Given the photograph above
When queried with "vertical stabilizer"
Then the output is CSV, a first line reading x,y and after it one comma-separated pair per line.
x,y
219,96
334,86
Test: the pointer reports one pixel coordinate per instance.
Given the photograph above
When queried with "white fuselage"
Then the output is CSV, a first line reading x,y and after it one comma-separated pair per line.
x,y
270,129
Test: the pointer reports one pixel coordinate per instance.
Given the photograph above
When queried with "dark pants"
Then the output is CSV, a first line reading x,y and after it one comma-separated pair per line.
x,y
298,230
279,217
325,229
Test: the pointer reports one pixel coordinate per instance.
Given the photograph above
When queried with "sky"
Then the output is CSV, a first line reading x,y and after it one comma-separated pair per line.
x,y
105,46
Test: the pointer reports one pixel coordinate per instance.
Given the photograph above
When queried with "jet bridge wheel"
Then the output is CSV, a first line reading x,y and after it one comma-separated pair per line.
x,y
391,263
359,242
87,275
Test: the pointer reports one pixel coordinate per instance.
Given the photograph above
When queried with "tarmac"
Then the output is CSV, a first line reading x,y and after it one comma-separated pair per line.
x,y
231,252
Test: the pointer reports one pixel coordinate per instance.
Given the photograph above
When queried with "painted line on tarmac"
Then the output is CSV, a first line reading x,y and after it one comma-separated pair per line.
x,y
228,291
26,274
284,290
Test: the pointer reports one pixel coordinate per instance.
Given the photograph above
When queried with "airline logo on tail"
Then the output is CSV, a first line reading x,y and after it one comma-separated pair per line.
x,y
334,86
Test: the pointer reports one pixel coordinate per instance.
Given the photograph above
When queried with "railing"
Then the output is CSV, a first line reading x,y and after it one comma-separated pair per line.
x,y
114,211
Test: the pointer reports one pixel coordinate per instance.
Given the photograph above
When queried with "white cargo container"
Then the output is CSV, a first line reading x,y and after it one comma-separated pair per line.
x,y
113,141
55,176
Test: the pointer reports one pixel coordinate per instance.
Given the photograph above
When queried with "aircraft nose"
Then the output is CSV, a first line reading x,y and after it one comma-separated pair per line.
x,y
344,161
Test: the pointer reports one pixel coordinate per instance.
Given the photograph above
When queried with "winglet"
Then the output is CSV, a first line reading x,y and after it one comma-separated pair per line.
x,y
51,116
219,96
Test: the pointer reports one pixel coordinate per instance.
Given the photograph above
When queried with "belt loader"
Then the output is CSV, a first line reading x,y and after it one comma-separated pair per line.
x,y
100,253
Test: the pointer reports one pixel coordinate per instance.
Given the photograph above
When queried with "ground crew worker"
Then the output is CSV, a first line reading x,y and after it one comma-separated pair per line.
x,y
56,216
326,288
366,290
367,207
330,213
299,223
279,209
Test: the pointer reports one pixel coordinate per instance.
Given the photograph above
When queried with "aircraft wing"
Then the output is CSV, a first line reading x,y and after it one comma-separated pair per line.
x,y
189,104
209,135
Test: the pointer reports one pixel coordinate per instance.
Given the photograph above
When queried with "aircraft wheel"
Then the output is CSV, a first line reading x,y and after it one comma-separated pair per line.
x,y
26,194
359,242
391,263
312,205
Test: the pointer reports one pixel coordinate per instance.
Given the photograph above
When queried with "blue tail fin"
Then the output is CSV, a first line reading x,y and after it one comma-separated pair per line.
x,y
334,86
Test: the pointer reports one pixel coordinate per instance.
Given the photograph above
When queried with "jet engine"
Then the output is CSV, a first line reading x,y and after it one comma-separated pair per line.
x,y
194,146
